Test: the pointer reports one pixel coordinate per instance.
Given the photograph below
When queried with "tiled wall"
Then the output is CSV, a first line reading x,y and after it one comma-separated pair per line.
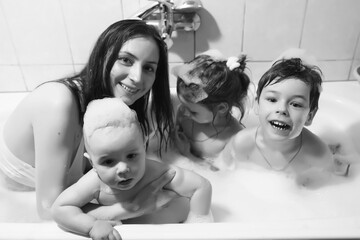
x,y
41,40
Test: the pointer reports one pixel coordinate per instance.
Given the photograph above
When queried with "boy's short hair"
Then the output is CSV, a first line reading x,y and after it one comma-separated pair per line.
x,y
108,112
294,68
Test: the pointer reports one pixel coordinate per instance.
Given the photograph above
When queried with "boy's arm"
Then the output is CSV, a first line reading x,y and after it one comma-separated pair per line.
x,y
66,210
190,184
236,149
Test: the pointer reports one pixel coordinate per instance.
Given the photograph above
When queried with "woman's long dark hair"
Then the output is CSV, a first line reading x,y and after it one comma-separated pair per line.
x,y
95,77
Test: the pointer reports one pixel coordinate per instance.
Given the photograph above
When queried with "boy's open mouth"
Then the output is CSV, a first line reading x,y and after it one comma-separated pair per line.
x,y
280,125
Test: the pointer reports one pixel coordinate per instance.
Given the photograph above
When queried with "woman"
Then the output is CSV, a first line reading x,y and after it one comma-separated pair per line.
x,y
42,145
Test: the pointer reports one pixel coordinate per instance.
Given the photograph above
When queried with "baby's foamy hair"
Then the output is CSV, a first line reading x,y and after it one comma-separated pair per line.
x,y
108,112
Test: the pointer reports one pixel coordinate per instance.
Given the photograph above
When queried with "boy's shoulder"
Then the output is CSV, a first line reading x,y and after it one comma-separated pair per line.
x,y
245,137
314,148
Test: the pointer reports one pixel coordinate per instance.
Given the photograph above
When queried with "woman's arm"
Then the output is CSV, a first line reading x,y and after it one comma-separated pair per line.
x,y
57,134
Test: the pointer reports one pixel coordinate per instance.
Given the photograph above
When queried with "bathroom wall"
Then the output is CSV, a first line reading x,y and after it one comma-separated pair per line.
x,y
41,40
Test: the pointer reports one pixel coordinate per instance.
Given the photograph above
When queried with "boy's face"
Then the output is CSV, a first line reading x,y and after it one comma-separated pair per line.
x,y
118,156
284,109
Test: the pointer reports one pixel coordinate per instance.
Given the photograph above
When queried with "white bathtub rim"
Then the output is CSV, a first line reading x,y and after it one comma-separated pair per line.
x,y
304,229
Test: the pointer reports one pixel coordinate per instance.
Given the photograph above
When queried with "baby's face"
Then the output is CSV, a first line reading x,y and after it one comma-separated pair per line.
x,y
118,156
284,108
197,112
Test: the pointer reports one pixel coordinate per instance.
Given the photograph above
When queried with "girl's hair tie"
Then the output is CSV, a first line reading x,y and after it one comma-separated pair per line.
x,y
232,63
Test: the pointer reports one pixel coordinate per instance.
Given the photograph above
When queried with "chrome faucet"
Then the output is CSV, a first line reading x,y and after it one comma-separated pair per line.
x,y
168,16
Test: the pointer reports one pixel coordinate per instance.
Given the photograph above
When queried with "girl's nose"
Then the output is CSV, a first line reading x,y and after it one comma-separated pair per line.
x,y
122,168
186,112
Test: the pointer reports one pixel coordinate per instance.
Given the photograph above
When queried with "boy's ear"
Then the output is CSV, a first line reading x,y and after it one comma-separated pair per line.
x,y
222,108
310,117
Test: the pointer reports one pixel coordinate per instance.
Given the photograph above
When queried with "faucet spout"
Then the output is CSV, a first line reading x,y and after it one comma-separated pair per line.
x,y
168,17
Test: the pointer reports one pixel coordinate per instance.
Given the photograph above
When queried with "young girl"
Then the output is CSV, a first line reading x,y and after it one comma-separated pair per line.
x,y
208,88
115,145
41,143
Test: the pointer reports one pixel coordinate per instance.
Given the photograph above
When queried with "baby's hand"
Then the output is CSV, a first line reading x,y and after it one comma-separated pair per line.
x,y
196,218
104,230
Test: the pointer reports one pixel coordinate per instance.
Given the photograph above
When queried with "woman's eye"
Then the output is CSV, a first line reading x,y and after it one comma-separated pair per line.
x,y
150,69
125,61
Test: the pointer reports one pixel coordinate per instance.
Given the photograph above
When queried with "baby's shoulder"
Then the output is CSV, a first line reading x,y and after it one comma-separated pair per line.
x,y
154,169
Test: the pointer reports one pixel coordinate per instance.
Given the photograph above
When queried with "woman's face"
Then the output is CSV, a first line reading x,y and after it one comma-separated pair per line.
x,y
133,73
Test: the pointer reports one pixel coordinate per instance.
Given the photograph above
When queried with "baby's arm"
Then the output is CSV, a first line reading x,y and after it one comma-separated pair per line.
x,y
66,210
189,184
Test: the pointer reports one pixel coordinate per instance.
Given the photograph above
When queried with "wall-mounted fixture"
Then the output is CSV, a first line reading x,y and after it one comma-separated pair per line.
x,y
168,16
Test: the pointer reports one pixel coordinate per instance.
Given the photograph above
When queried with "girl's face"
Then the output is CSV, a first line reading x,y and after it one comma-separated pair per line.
x,y
133,73
196,111
284,109
118,156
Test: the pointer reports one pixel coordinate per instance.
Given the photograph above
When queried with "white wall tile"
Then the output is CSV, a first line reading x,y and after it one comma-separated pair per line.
x,y
85,21
11,79
182,49
354,73
7,53
331,28
271,27
335,70
37,74
38,31
257,69
221,27
130,7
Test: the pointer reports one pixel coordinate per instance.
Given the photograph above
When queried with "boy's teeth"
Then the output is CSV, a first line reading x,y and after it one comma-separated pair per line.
x,y
279,125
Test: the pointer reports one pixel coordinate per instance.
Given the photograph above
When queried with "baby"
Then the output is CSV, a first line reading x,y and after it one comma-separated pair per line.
x,y
209,88
115,147
287,100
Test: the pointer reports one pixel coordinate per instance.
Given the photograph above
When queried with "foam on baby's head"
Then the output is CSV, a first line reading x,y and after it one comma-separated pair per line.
x,y
108,112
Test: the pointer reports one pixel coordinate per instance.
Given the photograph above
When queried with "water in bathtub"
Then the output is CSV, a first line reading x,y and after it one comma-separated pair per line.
x,y
253,193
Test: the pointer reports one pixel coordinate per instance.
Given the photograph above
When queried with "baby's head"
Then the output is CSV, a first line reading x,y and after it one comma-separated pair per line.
x,y
211,80
294,68
114,142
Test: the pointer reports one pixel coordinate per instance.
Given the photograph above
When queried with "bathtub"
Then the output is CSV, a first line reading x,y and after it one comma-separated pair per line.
x,y
248,203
